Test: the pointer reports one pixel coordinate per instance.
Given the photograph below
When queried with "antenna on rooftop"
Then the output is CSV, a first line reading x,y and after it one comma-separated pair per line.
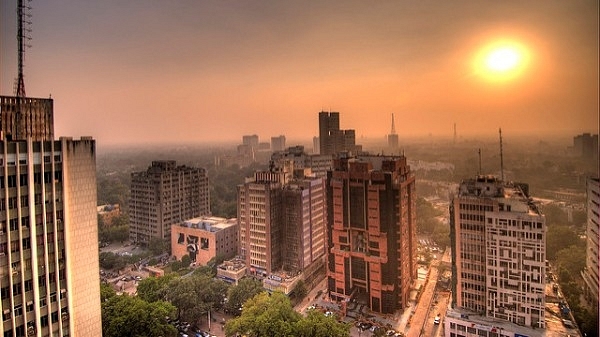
x,y
501,156
479,152
23,31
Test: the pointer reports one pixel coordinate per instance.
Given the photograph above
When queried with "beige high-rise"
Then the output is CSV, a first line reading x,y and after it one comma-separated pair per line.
x,y
49,283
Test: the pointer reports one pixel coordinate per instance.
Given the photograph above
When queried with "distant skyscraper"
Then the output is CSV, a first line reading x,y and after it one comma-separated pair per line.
x,y
316,145
282,221
498,239
592,265
48,226
372,248
164,195
250,140
586,145
278,143
332,140
393,137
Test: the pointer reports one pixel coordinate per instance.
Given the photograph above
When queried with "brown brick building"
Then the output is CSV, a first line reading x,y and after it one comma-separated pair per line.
x,y
372,231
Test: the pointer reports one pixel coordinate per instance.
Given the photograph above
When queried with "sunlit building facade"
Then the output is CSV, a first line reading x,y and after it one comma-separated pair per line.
x,y
498,239
49,280
371,224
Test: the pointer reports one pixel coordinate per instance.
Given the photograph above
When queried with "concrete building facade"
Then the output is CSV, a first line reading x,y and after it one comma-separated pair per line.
x,y
371,225
318,164
204,238
49,280
498,239
163,195
592,264
278,143
281,214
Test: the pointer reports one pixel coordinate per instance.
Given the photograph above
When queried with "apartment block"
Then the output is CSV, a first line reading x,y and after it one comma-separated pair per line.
x,y
371,224
318,164
164,195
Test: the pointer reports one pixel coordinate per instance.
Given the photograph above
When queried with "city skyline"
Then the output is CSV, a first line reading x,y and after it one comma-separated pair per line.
x,y
213,71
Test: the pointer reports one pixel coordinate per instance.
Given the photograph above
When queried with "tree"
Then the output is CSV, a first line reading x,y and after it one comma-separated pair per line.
x,y
131,316
106,292
241,292
185,261
194,296
300,290
571,259
560,237
152,289
265,315
273,315
315,324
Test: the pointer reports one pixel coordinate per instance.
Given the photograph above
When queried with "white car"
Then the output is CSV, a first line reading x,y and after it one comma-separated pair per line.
x,y
436,320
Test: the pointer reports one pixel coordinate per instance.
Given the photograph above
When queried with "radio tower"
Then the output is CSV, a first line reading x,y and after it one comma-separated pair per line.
x,y
23,29
392,138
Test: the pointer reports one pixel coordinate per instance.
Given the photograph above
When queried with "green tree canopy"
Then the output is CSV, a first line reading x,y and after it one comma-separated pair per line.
x,y
194,296
131,316
558,238
316,324
273,315
238,294
152,289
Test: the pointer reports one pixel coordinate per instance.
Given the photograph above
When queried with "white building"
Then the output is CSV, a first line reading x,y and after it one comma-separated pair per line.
x,y
499,251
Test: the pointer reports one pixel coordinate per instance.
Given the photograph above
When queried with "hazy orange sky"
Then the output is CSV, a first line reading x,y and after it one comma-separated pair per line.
x,y
202,71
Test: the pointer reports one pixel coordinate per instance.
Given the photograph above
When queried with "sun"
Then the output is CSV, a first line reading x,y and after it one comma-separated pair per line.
x,y
501,61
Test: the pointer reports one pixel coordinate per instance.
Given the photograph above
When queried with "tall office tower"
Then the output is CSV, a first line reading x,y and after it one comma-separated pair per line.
x,y
498,239
281,214
332,140
48,274
586,145
371,226
163,195
278,143
592,265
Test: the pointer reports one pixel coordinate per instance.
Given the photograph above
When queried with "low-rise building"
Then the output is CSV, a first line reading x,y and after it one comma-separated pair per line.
x,y
232,271
204,238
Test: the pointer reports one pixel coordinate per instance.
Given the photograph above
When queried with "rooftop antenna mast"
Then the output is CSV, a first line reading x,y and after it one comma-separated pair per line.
x,y
479,152
23,30
501,156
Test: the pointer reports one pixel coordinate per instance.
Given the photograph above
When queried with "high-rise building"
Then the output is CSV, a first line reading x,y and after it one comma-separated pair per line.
x,y
592,265
586,146
498,239
163,195
318,164
250,140
278,143
332,139
49,283
281,213
371,226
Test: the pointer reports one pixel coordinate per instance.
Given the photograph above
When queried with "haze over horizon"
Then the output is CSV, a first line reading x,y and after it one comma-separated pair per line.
x,y
211,71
